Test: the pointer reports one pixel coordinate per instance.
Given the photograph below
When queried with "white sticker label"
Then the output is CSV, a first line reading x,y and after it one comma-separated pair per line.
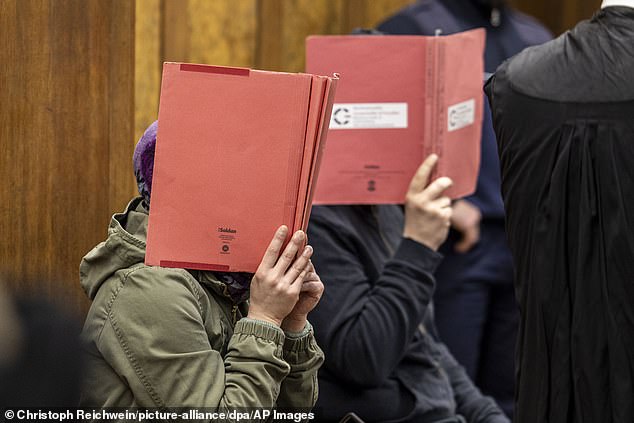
x,y
461,115
368,115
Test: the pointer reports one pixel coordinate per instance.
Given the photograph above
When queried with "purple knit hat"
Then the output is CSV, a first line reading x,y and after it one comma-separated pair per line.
x,y
143,161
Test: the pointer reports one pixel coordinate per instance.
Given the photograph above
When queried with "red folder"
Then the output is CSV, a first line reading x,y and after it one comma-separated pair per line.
x,y
236,153
400,99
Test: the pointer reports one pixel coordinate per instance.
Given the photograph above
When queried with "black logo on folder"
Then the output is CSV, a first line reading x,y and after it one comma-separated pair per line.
x,y
342,116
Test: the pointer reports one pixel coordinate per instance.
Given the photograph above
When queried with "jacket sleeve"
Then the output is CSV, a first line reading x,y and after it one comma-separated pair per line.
x,y
365,327
470,402
299,389
154,336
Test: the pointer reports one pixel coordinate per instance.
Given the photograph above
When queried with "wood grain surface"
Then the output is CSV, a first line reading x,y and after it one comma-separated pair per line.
x,y
66,137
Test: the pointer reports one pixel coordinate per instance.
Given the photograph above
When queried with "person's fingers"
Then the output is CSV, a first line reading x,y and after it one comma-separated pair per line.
x,y
287,257
299,265
312,287
446,214
300,269
463,246
296,285
273,250
436,188
441,202
421,178
469,239
311,276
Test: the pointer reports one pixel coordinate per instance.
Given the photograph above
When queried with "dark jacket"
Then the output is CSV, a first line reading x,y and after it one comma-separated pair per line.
x,y
515,32
564,116
375,324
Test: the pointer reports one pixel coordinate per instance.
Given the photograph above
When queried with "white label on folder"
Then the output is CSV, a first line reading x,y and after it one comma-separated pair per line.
x,y
461,115
368,115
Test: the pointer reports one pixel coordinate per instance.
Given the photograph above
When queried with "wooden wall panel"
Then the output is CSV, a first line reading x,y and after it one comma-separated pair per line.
x,y
66,116
122,184
283,25
301,18
148,63
222,32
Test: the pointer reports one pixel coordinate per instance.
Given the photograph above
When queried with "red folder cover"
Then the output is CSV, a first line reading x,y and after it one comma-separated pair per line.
x,y
400,99
236,152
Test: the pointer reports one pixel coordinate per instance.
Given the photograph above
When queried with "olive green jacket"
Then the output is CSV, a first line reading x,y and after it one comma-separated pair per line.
x,y
160,337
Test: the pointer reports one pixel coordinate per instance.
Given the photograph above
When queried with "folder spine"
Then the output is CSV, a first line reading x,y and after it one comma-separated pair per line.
x,y
430,99
440,113
296,155
315,106
322,134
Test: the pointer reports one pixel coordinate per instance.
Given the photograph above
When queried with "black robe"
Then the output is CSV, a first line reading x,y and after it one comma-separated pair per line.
x,y
563,113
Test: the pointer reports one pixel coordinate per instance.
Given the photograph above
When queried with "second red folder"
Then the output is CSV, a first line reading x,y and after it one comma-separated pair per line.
x,y
400,99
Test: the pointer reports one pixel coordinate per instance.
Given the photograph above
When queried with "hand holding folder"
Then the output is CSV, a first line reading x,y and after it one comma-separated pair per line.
x,y
279,280
237,151
427,209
